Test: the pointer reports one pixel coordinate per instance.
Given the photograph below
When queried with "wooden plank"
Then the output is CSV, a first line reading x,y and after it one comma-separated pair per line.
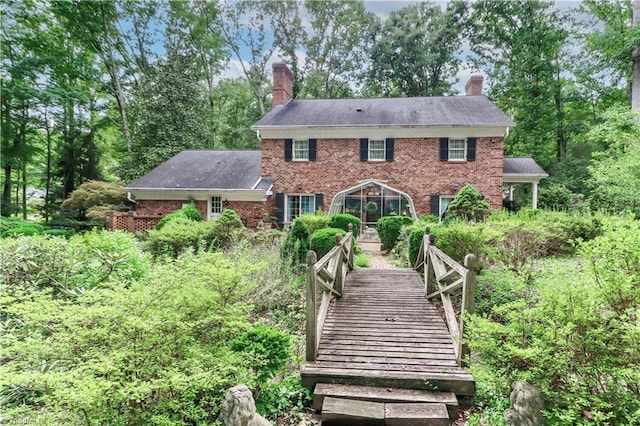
x,y
447,367
346,360
338,411
387,354
447,275
322,314
377,394
448,289
390,348
408,344
416,414
448,260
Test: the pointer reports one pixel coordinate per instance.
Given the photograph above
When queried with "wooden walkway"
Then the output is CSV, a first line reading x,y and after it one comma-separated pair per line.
x,y
383,332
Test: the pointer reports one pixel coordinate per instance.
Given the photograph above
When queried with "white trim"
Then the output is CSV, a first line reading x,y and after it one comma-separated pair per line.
x,y
379,132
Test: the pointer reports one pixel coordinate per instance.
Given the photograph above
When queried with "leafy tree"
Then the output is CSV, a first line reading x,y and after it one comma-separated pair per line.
x,y
519,44
336,47
615,171
415,51
235,109
468,203
91,195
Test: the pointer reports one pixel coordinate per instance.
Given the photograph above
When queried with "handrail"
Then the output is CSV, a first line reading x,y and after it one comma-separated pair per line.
x,y
443,276
328,274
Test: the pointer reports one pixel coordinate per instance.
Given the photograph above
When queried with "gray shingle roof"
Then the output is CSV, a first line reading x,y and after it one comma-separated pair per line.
x,y
206,169
436,111
522,165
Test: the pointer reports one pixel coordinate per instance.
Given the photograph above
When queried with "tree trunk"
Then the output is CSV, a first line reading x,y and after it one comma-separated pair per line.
x,y
635,76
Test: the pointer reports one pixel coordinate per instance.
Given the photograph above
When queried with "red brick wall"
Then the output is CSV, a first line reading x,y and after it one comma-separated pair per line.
x,y
164,207
416,169
250,212
131,222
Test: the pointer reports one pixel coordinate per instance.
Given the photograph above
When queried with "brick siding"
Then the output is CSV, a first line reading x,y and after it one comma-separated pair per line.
x,y
416,170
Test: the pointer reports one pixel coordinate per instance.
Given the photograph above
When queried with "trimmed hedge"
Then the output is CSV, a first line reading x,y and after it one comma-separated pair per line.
x,y
323,240
314,221
389,229
343,220
190,212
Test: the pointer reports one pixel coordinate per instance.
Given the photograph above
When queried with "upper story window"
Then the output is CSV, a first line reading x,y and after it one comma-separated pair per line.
x,y
300,150
457,149
376,150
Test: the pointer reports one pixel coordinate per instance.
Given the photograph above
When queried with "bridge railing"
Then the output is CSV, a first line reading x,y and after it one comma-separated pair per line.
x,y
443,277
327,275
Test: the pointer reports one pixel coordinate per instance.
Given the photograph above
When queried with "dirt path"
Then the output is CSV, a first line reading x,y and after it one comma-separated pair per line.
x,y
376,259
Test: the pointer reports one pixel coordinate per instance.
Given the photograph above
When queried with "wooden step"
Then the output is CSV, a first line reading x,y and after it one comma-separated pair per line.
x,y
377,394
350,412
415,414
338,411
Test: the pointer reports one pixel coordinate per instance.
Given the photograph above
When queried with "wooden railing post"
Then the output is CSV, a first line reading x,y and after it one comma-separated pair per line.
x,y
311,346
340,260
429,275
468,302
350,260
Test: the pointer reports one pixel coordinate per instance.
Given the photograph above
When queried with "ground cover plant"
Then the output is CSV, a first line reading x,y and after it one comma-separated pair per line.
x,y
125,339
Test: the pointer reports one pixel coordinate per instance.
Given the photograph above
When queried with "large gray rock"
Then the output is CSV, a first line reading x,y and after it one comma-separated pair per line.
x,y
239,409
526,406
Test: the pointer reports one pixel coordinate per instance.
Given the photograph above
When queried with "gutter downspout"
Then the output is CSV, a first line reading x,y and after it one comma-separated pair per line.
x,y
131,199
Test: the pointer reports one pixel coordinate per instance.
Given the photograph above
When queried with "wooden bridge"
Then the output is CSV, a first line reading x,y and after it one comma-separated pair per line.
x,y
377,350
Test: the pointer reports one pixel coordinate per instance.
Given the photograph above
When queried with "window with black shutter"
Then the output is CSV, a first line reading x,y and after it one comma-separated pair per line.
x,y
389,149
444,149
288,149
313,143
471,149
364,149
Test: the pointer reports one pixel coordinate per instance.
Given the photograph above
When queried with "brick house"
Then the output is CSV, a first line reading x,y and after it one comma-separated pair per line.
x,y
367,157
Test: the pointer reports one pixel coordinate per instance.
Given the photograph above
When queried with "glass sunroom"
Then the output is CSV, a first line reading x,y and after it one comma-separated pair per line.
x,y
370,200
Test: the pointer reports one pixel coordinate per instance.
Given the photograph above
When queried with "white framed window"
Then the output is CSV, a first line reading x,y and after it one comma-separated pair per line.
x,y
376,150
444,204
300,150
299,204
215,206
457,149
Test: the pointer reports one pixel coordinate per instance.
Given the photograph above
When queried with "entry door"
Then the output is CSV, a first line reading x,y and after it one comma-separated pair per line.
x,y
215,207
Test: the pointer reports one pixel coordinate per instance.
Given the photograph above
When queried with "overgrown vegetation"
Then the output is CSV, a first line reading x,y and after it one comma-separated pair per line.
x,y
94,331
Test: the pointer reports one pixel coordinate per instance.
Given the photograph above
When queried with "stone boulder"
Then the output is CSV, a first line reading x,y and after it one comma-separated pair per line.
x,y
526,406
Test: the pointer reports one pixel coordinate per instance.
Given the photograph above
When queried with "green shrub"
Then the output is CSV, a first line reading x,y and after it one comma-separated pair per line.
x,y
415,242
575,339
90,195
25,229
461,239
7,223
314,221
226,229
343,220
189,212
270,349
283,397
323,240
469,204
389,229
293,251
361,261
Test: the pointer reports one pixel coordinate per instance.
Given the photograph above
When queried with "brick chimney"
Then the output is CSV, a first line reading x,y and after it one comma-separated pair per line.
x,y
282,84
474,85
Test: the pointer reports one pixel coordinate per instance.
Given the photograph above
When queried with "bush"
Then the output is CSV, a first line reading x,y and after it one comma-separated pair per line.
x,y
189,212
24,229
461,239
323,240
343,220
469,204
573,340
93,194
7,223
415,242
270,350
295,247
389,229
314,221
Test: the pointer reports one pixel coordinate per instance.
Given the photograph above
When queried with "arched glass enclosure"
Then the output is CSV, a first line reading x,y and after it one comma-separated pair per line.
x,y
370,200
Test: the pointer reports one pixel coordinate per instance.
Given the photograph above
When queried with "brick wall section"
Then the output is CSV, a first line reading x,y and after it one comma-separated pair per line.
x,y
131,222
250,212
164,207
416,170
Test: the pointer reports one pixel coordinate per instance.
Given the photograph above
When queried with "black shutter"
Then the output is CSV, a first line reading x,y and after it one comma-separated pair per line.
x,y
288,147
388,155
444,149
471,149
280,208
364,149
312,149
319,202
435,204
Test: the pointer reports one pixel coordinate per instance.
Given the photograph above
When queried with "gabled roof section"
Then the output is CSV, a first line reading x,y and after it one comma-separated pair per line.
x,y
436,111
522,166
204,170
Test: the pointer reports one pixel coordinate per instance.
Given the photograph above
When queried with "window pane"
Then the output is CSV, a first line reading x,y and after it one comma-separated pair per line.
x,y
307,203
216,204
300,150
456,149
376,150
